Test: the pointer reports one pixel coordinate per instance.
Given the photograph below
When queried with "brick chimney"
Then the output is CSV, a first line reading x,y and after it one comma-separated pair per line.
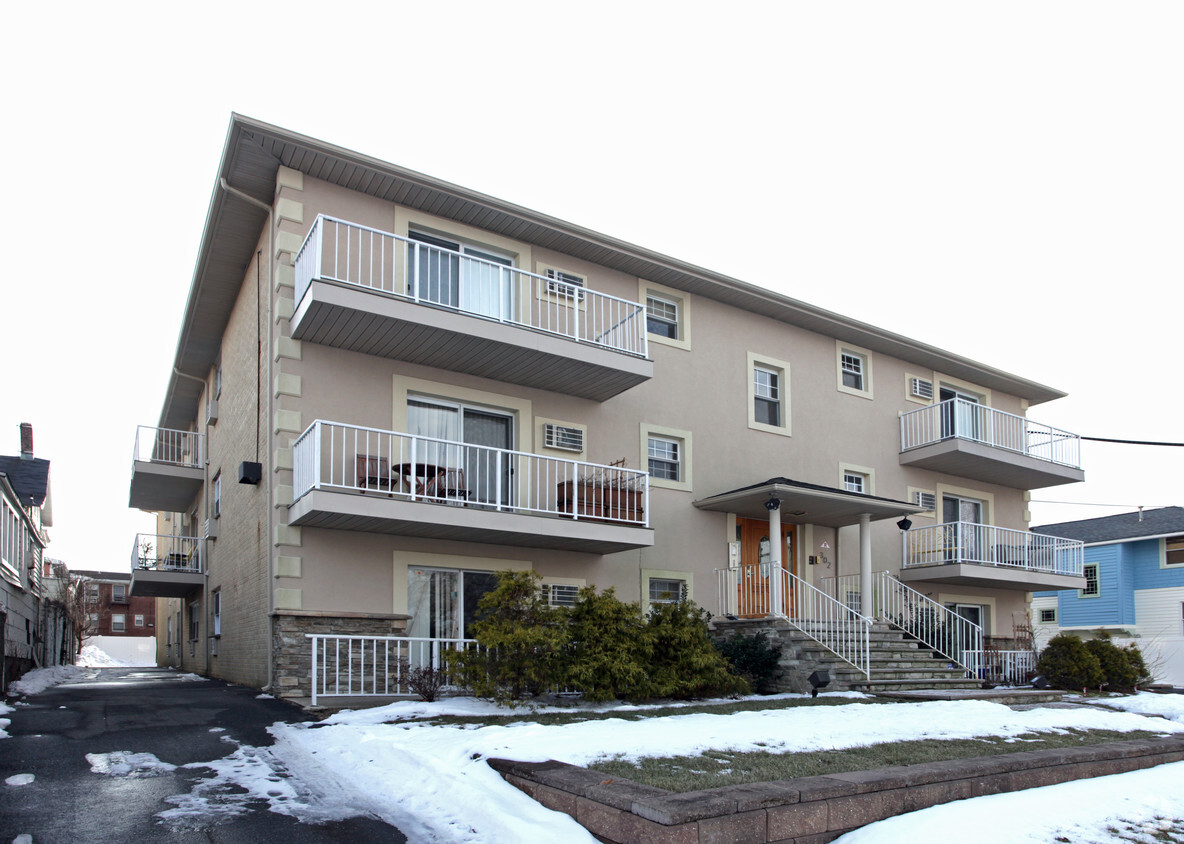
x,y
26,441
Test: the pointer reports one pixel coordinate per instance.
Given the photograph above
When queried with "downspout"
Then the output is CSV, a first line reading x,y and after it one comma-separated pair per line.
x,y
226,186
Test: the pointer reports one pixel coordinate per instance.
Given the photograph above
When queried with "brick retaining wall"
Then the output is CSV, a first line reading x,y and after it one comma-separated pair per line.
x,y
810,810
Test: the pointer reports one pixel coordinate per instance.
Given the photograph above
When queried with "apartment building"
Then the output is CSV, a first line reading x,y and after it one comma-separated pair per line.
x,y
387,388
111,608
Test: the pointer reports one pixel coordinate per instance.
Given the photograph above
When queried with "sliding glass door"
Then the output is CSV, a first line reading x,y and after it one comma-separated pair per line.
x,y
456,275
479,468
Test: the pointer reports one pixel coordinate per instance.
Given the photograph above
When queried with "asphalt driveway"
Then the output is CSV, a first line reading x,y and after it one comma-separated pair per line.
x,y
101,760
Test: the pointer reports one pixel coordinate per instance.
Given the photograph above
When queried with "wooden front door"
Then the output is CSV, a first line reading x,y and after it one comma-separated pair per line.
x,y
755,595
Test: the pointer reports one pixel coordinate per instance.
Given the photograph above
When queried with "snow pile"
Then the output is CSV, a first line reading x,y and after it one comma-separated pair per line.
x,y
94,657
438,775
40,679
1147,703
124,763
4,722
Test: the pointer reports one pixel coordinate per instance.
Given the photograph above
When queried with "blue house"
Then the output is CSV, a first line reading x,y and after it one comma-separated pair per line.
x,y
1134,590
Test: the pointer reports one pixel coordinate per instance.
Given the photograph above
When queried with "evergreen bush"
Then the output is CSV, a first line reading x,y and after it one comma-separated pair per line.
x,y
684,663
1138,665
1118,673
1068,664
608,652
754,659
523,642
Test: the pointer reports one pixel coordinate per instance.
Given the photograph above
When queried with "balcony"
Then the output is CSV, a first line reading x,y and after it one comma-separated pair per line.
x,y
969,554
353,478
166,566
374,292
970,440
168,469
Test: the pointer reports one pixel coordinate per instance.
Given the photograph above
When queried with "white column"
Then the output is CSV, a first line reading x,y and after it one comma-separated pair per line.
x,y
865,564
775,591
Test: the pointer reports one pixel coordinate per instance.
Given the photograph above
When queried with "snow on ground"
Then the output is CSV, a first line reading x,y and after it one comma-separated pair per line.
x,y
434,784
438,773
40,679
4,722
93,656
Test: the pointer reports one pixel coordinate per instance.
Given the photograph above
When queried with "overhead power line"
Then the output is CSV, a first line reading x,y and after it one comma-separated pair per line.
x,y
1132,442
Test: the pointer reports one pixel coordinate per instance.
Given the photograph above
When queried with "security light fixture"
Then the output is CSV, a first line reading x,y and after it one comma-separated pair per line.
x,y
905,523
772,504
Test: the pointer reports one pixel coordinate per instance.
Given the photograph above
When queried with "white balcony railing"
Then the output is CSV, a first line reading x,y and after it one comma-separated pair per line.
x,y
471,282
987,545
1012,668
156,552
957,418
375,666
750,592
172,447
334,456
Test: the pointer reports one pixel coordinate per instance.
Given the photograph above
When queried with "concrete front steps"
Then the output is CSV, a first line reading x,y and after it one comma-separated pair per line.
x,y
897,662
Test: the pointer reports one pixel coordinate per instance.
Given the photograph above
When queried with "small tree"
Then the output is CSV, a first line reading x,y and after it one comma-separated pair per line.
x,y
685,664
522,641
80,606
608,650
1068,664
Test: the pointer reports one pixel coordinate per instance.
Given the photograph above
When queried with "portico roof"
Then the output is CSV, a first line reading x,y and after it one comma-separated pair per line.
x,y
803,503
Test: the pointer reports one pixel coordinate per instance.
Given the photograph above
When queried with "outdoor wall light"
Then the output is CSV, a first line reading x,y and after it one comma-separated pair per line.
x,y
904,524
772,504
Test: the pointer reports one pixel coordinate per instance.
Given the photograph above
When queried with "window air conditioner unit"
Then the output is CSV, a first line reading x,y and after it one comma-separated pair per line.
x,y
927,500
209,529
563,437
213,646
921,388
212,412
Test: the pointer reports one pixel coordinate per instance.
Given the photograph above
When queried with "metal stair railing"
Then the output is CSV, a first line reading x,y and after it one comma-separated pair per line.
x,y
923,618
838,628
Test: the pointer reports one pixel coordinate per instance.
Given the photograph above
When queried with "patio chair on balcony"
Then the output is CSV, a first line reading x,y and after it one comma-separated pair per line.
x,y
373,473
448,486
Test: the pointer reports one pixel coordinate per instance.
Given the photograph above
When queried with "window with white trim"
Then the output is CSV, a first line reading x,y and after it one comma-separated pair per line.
x,y
661,317
217,602
118,622
766,391
194,620
666,590
855,481
665,458
216,507
1174,551
138,620
852,370
119,593
1093,586
1048,615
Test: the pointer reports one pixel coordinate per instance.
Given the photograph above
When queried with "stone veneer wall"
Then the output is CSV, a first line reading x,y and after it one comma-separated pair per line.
x,y
292,649
810,810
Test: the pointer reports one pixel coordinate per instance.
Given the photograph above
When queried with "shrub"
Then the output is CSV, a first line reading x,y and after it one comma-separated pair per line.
x,y
1117,672
754,659
1068,664
425,680
1138,665
684,663
522,640
608,654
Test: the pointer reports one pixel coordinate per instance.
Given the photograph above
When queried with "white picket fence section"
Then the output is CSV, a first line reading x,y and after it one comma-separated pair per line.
x,y
1012,668
373,666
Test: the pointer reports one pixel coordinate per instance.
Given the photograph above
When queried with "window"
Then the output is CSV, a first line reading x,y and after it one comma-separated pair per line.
x,y
851,367
217,503
1174,551
217,599
194,620
664,590
665,461
1093,587
118,622
768,394
855,482
92,593
766,390
92,623
661,317
119,593
138,620
1048,616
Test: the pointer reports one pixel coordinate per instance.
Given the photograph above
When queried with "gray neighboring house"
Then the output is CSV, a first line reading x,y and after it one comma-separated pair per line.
x,y
24,514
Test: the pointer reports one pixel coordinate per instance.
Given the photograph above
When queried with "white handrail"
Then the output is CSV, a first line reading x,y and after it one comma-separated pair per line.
x,y
333,455
1011,667
161,552
931,623
374,666
750,592
348,253
168,445
987,545
961,419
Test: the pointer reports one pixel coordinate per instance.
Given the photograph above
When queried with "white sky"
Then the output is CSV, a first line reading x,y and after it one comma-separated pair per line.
x,y
1003,181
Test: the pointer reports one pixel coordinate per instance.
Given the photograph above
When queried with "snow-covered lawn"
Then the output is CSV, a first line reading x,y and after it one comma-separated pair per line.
x,y
432,781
